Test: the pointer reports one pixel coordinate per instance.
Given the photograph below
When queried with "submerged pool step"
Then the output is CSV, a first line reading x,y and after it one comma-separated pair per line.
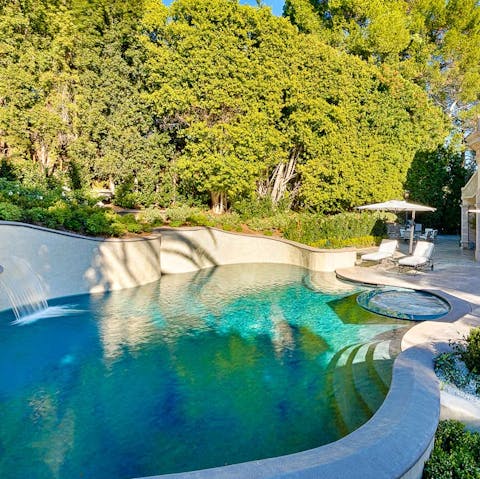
x,y
358,380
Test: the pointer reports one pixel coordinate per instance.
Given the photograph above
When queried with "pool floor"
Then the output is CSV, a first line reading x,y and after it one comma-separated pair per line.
x,y
195,371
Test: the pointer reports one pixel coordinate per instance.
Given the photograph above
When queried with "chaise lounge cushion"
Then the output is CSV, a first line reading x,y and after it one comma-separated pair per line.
x,y
385,250
421,256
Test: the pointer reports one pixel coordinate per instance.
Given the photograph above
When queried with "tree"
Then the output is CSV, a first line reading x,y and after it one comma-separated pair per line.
x,y
215,83
431,42
436,179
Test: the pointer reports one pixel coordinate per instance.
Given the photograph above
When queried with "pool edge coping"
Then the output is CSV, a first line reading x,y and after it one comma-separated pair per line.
x,y
381,448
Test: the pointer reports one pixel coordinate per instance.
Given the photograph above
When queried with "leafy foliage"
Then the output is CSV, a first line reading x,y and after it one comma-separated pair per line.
x,y
433,43
470,351
456,453
216,103
436,179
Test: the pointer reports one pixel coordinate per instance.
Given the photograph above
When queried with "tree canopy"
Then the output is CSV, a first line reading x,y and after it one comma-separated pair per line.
x,y
215,102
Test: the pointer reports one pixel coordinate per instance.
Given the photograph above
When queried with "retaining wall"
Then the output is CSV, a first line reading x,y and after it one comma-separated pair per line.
x,y
69,264
189,249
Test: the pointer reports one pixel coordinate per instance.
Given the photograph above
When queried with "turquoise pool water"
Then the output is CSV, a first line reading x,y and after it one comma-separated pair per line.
x,y
198,370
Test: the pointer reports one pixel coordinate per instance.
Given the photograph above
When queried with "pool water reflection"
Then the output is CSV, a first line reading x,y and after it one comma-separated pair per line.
x,y
198,370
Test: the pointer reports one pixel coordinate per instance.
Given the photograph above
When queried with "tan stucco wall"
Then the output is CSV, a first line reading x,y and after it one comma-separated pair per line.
x,y
189,249
69,264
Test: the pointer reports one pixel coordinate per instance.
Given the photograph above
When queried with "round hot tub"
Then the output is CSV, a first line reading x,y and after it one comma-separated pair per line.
x,y
403,303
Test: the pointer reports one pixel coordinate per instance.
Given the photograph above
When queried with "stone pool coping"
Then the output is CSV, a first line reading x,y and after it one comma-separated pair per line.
x,y
394,443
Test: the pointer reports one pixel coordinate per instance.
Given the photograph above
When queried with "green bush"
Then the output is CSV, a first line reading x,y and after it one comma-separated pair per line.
x,y
471,353
445,363
199,219
10,212
98,223
178,215
311,228
152,216
358,242
131,224
255,208
456,453
229,222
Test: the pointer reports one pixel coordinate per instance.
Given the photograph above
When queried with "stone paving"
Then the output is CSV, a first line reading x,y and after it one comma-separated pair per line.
x,y
455,272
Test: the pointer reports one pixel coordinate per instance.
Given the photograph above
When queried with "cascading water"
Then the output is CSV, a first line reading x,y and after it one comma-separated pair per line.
x,y
23,288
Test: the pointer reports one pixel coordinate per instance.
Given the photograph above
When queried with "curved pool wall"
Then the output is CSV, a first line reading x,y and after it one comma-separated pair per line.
x,y
69,264
393,444
188,249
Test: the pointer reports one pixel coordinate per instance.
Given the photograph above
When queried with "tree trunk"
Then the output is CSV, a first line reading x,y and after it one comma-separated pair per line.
x,y
219,202
282,175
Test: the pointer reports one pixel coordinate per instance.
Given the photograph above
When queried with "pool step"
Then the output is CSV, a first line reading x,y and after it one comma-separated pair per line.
x,y
357,381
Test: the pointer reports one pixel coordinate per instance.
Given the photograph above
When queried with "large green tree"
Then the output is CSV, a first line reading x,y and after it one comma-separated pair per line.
x,y
436,179
432,42
254,106
210,101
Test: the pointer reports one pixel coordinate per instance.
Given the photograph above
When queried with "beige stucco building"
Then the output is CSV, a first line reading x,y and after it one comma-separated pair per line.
x,y
470,234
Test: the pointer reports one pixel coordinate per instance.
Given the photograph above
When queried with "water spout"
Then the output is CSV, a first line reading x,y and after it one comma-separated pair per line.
x,y
23,287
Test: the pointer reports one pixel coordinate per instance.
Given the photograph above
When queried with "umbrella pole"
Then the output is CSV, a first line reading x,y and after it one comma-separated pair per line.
x,y
412,228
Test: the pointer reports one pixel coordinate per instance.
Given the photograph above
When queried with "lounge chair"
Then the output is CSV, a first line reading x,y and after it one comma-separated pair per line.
x,y
421,257
385,250
429,235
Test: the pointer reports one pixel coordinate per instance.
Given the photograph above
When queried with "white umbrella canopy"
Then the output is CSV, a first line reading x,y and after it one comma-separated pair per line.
x,y
398,206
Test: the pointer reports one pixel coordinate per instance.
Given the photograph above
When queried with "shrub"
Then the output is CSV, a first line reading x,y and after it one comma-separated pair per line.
x,y
151,216
310,229
471,353
199,219
99,224
229,222
255,208
456,453
37,215
359,242
10,212
178,215
130,223
445,364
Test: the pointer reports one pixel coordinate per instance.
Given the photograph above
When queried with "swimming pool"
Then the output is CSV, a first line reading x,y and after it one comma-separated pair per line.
x,y
198,370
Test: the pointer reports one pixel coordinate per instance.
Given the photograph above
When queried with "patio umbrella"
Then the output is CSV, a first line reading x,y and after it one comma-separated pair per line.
x,y
398,206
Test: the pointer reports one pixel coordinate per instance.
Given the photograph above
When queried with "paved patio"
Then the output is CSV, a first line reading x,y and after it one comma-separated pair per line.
x,y
455,272
456,276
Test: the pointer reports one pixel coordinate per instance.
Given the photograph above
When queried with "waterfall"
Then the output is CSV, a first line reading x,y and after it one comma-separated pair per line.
x,y
23,287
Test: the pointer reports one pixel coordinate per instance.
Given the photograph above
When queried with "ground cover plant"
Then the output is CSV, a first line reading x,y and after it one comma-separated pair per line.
x,y
461,366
